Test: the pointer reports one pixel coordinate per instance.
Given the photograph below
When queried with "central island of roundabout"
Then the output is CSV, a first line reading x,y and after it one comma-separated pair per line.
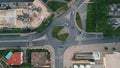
x,y
60,33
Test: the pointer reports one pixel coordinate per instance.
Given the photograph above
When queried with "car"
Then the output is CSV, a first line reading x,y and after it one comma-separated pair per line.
x,y
66,24
72,12
116,23
4,4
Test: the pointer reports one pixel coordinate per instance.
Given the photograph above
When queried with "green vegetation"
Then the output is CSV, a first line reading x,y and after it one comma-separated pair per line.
x,y
68,0
4,52
16,30
14,50
113,48
63,37
97,18
44,1
105,48
4,64
78,21
45,24
54,5
29,51
55,32
23,66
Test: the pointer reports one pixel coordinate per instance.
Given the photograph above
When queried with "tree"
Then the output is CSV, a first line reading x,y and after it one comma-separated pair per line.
x,y
106,48
113,48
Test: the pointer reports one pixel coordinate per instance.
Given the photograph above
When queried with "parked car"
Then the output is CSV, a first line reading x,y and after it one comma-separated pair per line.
x,y
72,12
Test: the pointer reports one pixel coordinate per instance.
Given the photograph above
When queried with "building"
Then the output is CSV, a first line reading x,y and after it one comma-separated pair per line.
x,y
9,54
112,60
15,58
87,55
85,59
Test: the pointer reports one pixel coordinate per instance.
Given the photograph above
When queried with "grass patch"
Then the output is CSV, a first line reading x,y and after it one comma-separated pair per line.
x,y
78,20
54,5
45,24
97,20
68,0
63,37
55,32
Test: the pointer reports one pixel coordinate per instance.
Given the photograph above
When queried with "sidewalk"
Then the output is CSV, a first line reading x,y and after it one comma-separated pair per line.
x,y
68,54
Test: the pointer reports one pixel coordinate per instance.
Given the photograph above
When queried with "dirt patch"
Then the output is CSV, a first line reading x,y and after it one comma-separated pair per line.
x,y
39,59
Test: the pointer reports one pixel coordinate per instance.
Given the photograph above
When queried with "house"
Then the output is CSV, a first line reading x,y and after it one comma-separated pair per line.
x,y
15,59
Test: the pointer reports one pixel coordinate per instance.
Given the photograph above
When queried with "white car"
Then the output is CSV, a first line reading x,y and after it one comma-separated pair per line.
x,y
66,24
72,12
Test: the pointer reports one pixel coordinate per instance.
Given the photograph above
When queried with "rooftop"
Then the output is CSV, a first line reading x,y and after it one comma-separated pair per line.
x,y
87,55
112,60
15,59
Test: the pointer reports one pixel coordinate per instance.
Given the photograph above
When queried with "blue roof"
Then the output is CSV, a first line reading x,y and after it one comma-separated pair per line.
x,y
9,54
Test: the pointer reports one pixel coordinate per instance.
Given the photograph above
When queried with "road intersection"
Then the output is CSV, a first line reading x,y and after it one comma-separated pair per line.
x,y
60,47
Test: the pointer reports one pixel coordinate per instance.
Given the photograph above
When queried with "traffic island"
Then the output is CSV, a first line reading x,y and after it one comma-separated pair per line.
x,y
61,37
78,21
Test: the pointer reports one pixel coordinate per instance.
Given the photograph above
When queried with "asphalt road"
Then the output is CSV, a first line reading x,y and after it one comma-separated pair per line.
x,y
60,47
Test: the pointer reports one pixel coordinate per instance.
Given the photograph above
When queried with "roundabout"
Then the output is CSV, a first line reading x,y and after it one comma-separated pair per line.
x,y
60,33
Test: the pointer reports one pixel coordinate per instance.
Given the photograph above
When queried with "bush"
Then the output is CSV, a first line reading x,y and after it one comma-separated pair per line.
x,y
106,48
4,64
24,65
54,5
44,1
45,24
68,0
